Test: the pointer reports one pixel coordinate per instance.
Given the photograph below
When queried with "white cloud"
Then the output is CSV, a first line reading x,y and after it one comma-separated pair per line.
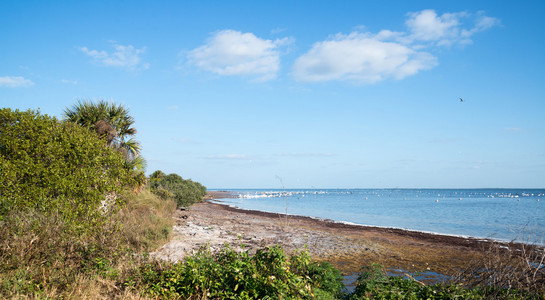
x,y
230,52
447,29
123,56
15,81
483,23
361,58
427,26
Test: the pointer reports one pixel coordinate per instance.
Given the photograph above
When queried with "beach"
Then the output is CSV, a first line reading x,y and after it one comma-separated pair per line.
x,y
348,247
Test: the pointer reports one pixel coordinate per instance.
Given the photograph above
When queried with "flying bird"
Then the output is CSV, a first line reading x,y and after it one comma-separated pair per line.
x,y
461,100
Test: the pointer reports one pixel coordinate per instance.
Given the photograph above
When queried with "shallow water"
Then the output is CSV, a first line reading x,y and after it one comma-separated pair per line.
x,y
503,214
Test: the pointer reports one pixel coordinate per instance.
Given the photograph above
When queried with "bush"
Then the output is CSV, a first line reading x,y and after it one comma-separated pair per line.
x,y
48,165
269,274
55,177
173,186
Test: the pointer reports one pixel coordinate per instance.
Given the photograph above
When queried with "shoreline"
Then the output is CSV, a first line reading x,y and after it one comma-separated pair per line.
x,y
458,240
215,196
347,246
401,230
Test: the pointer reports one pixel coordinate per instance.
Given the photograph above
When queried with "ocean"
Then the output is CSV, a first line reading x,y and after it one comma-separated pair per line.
x,y
500,214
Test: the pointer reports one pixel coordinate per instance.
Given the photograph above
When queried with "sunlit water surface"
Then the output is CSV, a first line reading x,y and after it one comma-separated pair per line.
x,y
503,214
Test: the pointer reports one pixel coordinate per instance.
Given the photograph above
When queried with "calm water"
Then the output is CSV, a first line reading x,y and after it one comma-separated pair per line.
x,y
503,214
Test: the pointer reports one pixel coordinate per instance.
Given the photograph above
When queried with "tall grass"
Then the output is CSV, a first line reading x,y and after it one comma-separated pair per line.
x,y
41,255
147,221
509,268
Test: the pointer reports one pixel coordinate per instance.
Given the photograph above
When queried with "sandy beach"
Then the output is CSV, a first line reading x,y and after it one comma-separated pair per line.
x,y
347,247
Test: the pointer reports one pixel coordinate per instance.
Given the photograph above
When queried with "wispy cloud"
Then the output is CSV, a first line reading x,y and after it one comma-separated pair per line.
x,y
227,157
278,30
230,52
15,81
513,129
367,58
446,140
306,154
185,141
448,28
123,56
66,81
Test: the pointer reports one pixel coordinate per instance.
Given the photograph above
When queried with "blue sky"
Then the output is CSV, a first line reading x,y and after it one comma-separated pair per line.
x,y
324,94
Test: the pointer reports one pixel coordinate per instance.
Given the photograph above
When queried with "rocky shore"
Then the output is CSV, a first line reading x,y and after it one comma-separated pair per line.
x,y
348,247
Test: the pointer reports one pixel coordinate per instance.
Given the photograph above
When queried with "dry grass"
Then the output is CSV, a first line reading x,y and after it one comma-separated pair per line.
x,y
147,221
42,256
507,266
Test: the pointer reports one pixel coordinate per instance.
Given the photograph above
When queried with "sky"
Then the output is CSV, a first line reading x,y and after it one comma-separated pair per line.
x,y
298,94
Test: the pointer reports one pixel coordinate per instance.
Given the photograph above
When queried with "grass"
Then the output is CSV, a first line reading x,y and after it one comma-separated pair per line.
x,y
41,256
373,283
507,269
147,221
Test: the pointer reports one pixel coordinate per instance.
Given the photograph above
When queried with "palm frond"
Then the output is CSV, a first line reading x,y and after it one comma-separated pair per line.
x,y
109,120
132,146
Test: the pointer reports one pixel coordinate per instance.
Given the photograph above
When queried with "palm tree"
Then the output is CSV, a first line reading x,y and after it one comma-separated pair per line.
x,y
112,123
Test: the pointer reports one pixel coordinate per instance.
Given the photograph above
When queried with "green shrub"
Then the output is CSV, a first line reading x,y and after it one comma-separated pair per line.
x,y
173,186
269,274
55,240
48,165
157,175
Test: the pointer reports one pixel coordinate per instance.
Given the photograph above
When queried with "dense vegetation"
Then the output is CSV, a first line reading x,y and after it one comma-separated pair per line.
x,y
76,222
184,191
48,165
66,206
227,274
